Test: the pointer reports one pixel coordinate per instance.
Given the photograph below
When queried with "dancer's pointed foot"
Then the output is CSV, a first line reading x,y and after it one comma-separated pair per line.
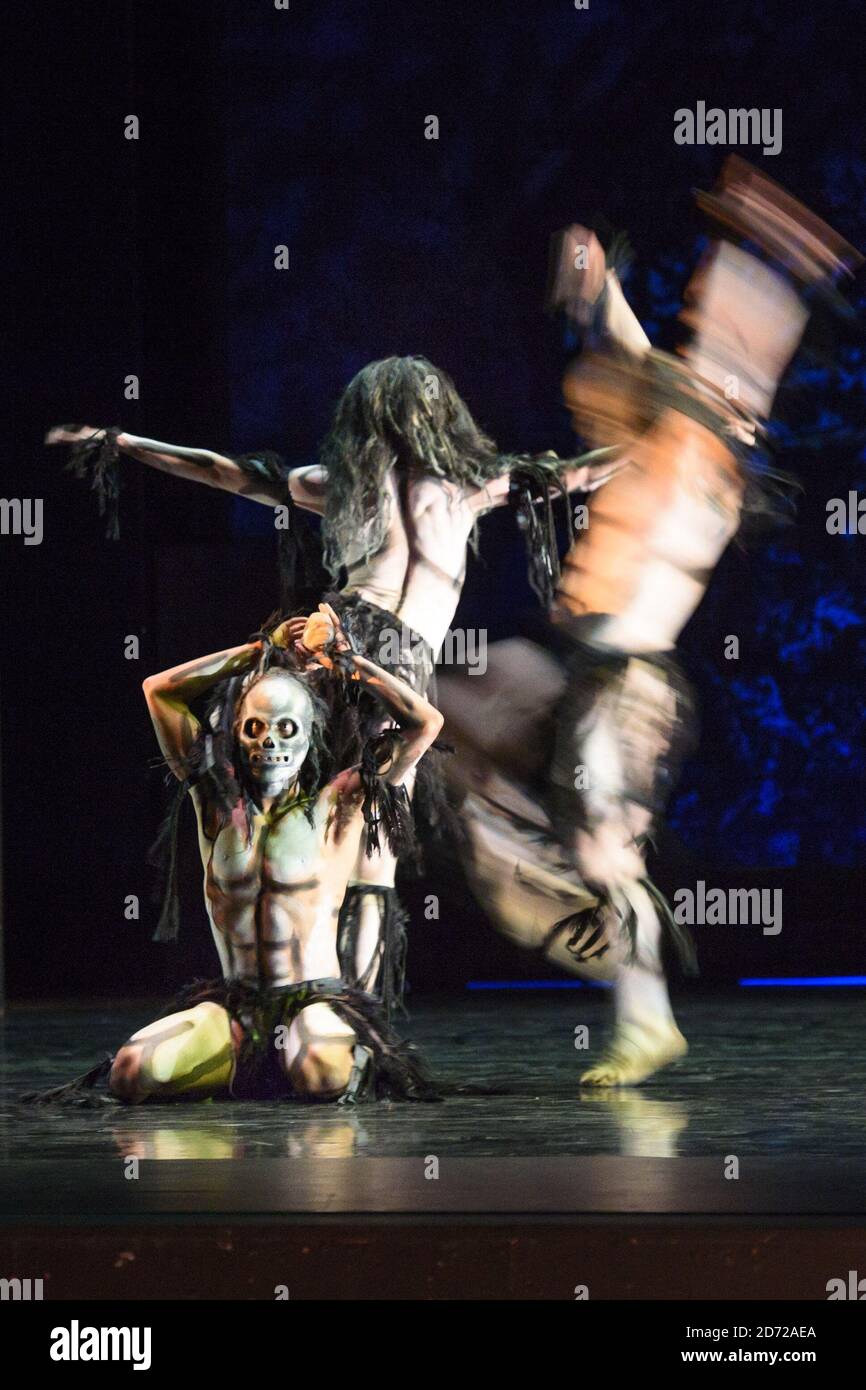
x,y
747,203
636,1051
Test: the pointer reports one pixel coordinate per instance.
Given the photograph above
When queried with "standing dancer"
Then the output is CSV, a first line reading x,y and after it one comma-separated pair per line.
x,y
404,476
617,717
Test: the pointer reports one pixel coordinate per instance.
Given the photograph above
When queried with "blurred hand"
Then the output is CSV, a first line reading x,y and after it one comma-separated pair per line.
x,y
322,629
72,434
580,272
288,633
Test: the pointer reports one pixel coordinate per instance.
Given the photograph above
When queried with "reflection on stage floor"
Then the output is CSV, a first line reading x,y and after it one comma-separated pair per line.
x,y
775,1080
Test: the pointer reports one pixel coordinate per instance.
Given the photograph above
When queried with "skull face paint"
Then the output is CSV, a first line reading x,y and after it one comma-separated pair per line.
x,y
274,727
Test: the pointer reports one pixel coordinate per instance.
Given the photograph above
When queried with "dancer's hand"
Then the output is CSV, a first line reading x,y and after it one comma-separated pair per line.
x,y
73,434
324,629
597,474
310,636
580,272
288,633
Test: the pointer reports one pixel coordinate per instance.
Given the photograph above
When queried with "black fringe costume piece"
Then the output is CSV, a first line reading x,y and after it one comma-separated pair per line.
x,y
88,1091
378,635
588,935
97,458
388,960
533,490
396,1068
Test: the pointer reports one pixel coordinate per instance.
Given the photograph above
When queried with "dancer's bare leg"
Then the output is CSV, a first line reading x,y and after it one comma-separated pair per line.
x,y
318,1055
373,870
656,533
190,1053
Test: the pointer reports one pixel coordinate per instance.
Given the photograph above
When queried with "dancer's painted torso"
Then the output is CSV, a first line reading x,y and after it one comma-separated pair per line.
x,y
656,532
418,572
273,901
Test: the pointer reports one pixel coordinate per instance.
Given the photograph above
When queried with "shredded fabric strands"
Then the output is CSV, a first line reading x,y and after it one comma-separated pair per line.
x,y
535,485
372,632
302,576
398,1070
97,458
388,960
590,931
616,905
679,937
588,936
163,856
387,809
85,1091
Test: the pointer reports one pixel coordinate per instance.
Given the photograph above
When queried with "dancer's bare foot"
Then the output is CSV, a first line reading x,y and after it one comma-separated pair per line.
x,y
635,1052
749,204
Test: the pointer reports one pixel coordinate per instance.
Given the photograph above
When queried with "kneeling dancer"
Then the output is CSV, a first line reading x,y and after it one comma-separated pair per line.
x,y
243,731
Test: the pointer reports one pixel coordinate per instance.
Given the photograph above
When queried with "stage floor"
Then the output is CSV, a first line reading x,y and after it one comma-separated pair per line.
x,y
776,1080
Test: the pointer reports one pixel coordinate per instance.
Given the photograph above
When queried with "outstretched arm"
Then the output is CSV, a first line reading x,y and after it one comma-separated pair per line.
x,y
307,484
584,478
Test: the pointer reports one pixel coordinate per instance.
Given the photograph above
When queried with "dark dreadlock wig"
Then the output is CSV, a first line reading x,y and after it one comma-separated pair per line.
x,y
405,414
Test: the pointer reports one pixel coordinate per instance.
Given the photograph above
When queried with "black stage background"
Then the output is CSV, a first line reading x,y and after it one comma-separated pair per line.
x,y
151,257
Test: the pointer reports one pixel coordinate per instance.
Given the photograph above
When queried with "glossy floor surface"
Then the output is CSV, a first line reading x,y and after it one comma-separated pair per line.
x,y
775,1080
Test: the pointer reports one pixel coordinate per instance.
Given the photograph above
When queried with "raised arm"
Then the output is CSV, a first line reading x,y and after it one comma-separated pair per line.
x,y
307,484
581,279
621,324
418,721
170,694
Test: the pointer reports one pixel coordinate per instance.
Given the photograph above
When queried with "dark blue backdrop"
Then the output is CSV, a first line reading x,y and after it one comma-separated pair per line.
x,y
305,126
401,244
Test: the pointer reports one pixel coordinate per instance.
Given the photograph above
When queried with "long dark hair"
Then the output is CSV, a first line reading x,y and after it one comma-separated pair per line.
x,y
401,413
